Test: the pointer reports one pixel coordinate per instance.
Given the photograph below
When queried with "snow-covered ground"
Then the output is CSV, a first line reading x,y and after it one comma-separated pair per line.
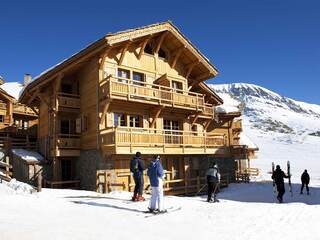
x,y
245,212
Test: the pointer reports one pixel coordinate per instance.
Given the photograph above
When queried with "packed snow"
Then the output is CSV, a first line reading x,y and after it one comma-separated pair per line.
x,y
27,155
245,211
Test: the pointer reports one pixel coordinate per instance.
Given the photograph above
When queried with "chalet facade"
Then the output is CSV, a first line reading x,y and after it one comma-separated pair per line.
x,y
137,90
18,123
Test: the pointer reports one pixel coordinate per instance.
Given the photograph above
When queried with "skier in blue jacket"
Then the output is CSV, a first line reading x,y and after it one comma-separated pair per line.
x,y
155,173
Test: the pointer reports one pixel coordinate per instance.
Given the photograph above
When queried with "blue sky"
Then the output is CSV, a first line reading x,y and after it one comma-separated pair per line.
x,y
275,44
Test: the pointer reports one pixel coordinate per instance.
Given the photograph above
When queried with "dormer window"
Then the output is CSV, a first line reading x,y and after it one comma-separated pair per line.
x,y
148,49
162,53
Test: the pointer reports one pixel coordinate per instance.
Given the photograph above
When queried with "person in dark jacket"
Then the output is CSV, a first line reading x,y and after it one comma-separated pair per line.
x,y
156,174
137,167
278,177
213,180
305,179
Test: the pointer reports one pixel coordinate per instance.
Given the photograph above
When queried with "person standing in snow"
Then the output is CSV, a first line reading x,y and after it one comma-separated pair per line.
x,y
305,179
278,177
155,173
137,167
213,181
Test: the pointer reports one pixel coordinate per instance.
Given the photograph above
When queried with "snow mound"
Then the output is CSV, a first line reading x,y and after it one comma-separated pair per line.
x,y
245,140
27,155
229,105
16,187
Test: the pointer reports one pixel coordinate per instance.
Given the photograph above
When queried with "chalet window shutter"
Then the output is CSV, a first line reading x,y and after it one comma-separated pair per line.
x,y
78,125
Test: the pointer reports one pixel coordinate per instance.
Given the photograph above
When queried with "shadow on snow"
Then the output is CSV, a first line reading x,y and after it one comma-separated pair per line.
x,y
262,192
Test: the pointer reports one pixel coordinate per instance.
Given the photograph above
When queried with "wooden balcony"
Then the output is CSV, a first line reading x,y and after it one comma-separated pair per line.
x,y
3,106
135,91
156,141
68,145
23,110
67,101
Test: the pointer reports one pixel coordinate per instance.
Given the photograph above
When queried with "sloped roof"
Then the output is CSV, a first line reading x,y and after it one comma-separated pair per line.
x,y
118,37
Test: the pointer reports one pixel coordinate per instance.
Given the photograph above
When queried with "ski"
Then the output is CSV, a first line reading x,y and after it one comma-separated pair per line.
x,y
289,176
166,211
273,183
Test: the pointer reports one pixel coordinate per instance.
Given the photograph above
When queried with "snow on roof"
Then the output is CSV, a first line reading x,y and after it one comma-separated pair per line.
x,y
12,88
229,105
27,155
245,140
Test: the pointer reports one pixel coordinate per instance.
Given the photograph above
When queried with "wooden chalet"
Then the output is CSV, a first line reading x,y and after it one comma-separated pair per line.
x,y
138,90
18,128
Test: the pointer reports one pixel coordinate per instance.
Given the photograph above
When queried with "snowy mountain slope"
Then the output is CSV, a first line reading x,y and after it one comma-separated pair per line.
x,y
269,111
284,129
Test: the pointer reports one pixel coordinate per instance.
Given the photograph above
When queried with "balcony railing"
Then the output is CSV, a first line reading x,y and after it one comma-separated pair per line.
x,y
68,141
160,141
130,90
67,100
22,109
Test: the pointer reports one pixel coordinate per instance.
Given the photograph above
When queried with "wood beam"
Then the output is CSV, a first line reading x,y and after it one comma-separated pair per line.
x,y
161,39
58,82
43,99
155,116
123,52
206,125
176,55
142,46
104,112
32,97
195,118
103,59
190,67
35,111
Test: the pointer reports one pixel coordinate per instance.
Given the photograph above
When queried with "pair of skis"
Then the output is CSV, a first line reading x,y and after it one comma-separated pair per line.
x,y
166,211
289,178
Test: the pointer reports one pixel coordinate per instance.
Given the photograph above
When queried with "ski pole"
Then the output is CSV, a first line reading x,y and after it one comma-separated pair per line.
x,y
201,189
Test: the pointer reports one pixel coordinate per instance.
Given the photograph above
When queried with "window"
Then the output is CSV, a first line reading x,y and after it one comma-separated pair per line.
x,y
67,126
66,88
177,86
2,118
119,120
162,53
148,49
171,136
135,121
25,124
64,126
138,77
123,75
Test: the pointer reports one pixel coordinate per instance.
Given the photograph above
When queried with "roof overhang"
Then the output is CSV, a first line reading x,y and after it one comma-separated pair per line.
x,y
112,40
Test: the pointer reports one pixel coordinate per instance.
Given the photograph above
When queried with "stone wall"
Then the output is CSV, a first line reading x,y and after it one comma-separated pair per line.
x,y
86,168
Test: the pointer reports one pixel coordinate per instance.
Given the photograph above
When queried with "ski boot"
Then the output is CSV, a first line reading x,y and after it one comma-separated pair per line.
x,y
140,198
